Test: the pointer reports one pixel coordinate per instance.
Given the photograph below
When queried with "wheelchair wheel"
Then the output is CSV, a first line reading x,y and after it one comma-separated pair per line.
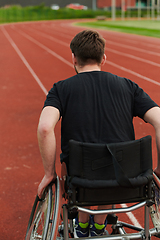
x,y
45,214
155,210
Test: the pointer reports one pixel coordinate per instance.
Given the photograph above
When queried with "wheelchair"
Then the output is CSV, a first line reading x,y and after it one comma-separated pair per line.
x,y
100,174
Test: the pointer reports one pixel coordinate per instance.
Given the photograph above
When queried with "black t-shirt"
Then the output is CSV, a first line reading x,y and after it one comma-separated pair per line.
x,y
97,107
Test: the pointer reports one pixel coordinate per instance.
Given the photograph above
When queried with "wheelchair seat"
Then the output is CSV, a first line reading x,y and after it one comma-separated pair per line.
x,y
98,173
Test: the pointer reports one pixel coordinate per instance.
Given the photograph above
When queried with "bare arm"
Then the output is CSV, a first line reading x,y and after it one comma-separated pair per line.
x,y
152,116
47,144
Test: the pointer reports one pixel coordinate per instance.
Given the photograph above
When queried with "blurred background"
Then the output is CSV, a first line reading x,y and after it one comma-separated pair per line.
x,y
32,10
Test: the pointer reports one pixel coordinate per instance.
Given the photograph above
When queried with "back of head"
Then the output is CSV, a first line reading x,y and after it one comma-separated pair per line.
x,y
88,47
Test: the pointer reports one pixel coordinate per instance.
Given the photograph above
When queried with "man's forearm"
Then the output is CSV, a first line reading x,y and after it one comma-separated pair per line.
x,y
152,116
47,146
158,148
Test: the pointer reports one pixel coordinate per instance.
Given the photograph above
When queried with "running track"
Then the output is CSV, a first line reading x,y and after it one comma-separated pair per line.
x,y
32,57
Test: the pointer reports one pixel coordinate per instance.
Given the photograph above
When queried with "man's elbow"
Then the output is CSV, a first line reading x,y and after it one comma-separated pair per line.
x,y
152,116
44,129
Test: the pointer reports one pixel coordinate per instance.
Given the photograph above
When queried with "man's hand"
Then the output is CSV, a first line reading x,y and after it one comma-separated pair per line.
x,y
44,183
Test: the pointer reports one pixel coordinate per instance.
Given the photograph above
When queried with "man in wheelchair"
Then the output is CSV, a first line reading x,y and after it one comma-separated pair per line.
x,y
94,107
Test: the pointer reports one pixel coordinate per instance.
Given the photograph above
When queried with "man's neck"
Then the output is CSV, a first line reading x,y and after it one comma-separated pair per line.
x,y
89,68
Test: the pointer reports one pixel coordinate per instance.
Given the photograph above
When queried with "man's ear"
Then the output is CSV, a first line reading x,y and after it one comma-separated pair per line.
x,y
104,59
74,60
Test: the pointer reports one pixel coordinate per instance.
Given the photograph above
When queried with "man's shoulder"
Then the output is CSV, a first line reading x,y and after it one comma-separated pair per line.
x,y
67,80
116,79
105,76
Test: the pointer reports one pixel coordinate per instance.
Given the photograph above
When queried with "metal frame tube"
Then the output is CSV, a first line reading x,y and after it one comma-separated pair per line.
x,y
115,237
111,211
65,222
146,223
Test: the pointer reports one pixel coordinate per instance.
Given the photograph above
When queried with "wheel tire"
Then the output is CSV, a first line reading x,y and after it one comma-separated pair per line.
x,y
45,214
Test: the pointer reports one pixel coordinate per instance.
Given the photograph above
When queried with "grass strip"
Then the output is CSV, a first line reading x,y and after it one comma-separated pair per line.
x,y
146,28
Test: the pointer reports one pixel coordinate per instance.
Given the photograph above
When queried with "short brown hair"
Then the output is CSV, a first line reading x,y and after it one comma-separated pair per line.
x,y
88,46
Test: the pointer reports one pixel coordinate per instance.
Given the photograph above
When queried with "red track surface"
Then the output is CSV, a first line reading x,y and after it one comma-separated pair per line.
x,y
40,51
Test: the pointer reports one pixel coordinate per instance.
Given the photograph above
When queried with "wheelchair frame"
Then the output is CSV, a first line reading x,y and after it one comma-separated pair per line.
x,y
139,191
119,232
64,231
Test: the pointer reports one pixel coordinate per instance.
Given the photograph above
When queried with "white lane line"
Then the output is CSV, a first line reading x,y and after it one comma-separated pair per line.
x,y
120,35
57,30
108,49
69,64
135,39
24,60
133,48
46,48
133,73
143,44
133,57
124,45
50,37
43,34
132,217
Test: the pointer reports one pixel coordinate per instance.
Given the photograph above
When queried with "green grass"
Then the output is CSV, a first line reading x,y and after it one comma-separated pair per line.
x,y
141,27
41,12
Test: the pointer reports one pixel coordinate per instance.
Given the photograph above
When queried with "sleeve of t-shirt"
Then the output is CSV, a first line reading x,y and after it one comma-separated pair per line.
x,y
142,102
53,99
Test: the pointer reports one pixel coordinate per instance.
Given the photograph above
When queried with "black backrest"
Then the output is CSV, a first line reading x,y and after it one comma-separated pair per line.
x,y
97,161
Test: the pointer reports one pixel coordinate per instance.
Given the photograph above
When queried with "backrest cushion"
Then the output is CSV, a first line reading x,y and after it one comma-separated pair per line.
x,y
95,162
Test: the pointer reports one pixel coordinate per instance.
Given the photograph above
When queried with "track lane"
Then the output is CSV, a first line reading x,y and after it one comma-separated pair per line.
x,y
45,60
140,68
112,53
23,45
124,57
123,42
18,142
